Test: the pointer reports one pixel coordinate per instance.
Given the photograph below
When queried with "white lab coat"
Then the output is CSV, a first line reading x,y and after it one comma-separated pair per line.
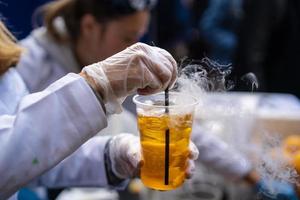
x,y
38,131
45,61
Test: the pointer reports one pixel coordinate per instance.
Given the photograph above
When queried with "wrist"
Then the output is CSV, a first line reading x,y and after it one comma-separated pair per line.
x,y
92,85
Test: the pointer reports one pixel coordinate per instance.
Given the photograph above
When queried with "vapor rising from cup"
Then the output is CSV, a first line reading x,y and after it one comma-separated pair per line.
x,y
200,78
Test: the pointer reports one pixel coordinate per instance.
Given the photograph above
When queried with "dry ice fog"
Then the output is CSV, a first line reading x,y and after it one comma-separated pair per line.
x,y
233,122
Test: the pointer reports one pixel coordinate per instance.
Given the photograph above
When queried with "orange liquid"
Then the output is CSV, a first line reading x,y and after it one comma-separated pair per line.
x,y
153,131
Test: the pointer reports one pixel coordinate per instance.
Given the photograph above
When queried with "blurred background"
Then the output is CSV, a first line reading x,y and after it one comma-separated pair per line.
x,y
257,36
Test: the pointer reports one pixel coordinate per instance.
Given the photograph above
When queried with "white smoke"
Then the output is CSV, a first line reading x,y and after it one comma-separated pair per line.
x,y
233,120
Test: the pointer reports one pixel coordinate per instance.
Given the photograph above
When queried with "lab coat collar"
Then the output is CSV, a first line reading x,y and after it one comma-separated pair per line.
x,y
62,53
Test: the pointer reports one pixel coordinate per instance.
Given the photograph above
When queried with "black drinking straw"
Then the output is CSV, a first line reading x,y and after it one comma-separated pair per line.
x,y
167,140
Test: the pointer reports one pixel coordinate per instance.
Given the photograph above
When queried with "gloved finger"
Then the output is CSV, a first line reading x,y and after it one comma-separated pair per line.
x,y
161,69
134,155
139,47
194,152
174,77
154,75
173,66
190,169
160,64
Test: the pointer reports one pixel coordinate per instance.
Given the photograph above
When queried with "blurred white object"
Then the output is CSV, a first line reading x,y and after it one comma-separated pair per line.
x,y
220,156
279,102
230,116
244,113
278,113
88,194
226,123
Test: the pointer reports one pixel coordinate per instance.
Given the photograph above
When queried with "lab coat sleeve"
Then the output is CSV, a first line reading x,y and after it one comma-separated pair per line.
x,y
220,156
47,127
85,167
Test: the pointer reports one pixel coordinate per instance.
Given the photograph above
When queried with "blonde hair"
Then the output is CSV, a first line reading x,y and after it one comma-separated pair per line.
x,y
10,52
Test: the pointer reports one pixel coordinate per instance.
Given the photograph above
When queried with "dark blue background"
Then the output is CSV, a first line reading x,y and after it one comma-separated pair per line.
x,y
17,15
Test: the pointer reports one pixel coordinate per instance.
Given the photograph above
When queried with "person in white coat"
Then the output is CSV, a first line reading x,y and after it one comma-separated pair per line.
x,y
80,32
70,41
37,131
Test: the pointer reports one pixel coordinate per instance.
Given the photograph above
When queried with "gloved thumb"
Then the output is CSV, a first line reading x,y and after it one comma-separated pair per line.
x,y
191,169
125,155
134,153
194,152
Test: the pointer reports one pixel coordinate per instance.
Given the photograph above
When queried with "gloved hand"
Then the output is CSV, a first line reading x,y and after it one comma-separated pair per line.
x,y
126,159
216,154
140,68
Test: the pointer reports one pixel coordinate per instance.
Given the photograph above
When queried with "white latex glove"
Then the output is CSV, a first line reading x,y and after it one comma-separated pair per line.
x,y
126,158
140,68
216,154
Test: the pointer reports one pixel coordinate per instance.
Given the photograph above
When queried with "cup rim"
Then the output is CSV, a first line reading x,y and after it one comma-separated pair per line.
x,y
163,106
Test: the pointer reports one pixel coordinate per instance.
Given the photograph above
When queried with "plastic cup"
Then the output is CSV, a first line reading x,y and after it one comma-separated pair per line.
x,y
165,135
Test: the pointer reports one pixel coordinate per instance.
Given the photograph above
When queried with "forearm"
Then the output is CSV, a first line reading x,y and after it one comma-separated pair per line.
x,y
216,154
85,167
47,127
